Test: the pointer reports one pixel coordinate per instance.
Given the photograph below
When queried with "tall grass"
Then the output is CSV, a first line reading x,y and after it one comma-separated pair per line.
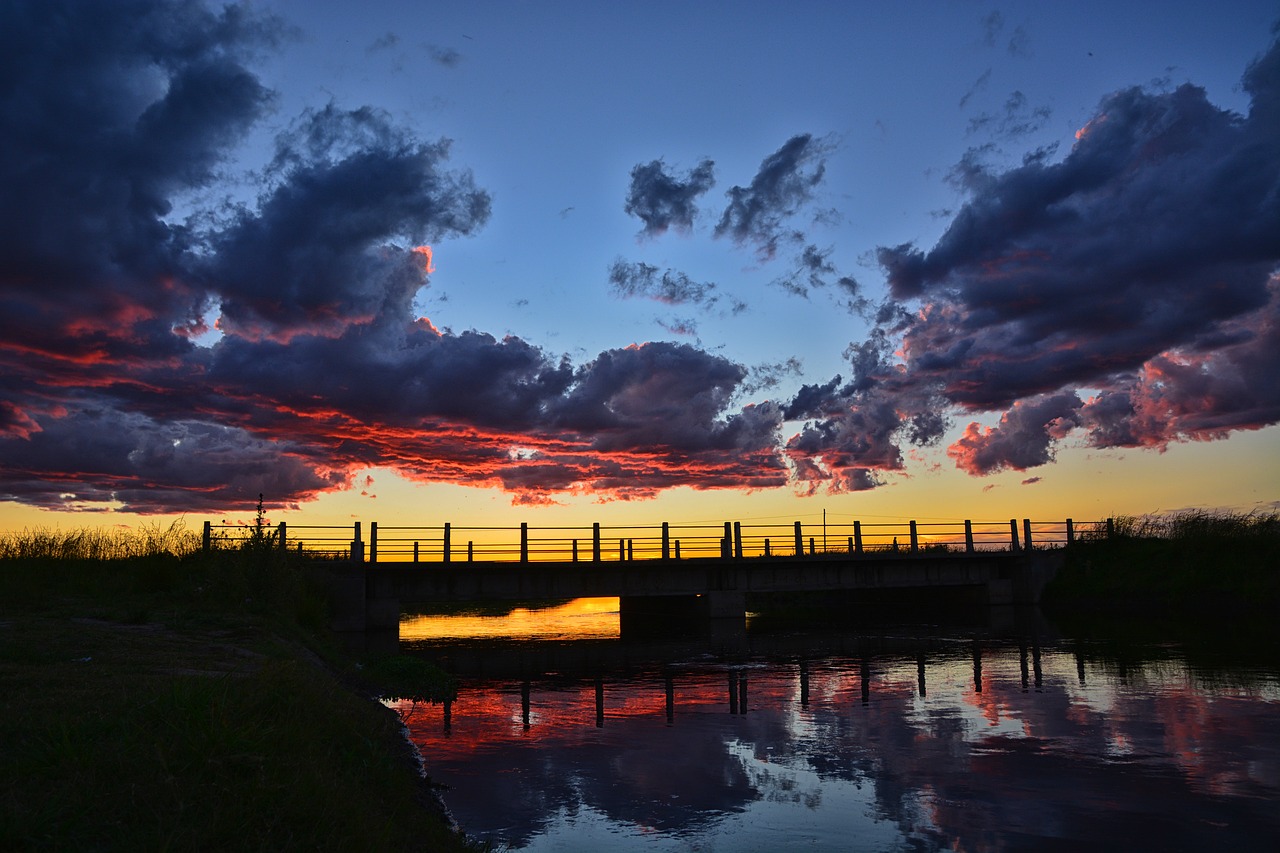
x,y
1193,526
100,543
1195,562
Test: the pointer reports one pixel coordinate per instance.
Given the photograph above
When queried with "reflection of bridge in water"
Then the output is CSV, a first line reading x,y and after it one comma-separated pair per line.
x,y
666,665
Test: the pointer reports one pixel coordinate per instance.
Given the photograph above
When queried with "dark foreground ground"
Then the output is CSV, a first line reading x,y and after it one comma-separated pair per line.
x,y
194,704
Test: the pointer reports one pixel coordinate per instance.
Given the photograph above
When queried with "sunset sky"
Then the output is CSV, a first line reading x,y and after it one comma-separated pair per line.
x,y
558,262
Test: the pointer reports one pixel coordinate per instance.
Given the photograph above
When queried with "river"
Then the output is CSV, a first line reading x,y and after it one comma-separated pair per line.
x,y
996,734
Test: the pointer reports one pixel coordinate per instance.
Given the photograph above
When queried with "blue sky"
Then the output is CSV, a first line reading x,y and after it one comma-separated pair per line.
x,y
737,249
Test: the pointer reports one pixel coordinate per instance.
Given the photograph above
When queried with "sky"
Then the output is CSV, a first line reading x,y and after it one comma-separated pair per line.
x,y
561,262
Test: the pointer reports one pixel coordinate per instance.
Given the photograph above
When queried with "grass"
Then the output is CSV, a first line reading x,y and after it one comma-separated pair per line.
x,y
159,698
1186,563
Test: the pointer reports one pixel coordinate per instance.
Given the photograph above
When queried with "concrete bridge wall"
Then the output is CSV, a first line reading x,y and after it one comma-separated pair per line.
x,y
368,598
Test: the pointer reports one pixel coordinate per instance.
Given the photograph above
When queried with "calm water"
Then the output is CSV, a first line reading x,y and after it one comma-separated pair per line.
x,y
987,738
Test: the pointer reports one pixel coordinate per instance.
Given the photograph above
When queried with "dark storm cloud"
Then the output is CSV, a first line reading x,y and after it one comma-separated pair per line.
x,y
108,113
1024,438
113,119
319,253
94,457
785,182
1142,265
662,200
1158,227
664,395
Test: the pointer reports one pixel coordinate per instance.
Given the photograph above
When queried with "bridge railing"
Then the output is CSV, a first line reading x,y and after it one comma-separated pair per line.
x,y
613,543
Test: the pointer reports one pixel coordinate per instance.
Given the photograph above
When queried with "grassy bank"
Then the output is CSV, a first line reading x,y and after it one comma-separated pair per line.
x,y
165,699
1182,564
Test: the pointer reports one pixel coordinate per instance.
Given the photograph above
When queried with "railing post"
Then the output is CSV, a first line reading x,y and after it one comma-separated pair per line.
x,y
373,542
799,541
1071,533
767,552
850,544
575,550
915,541
622,550
357,547
968,536
1026,534
812,551
595,542
471,552
1111,528
524,541
415,552
447,536
1013,534
280,536
206,538
631,550
666,541
726,549
677,549
737,540
857,536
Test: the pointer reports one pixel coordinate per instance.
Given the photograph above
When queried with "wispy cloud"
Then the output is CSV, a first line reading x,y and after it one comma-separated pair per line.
x,y
662,200
786,180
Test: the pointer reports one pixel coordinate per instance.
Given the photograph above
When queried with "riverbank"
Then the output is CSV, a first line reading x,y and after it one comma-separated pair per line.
x,y
166,702
1178,566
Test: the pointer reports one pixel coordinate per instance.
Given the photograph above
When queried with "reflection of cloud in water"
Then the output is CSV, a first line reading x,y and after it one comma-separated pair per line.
x,y
579,619
985,759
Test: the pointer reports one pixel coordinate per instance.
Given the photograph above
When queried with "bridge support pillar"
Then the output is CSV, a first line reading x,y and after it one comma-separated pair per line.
x,y
726,604
364,611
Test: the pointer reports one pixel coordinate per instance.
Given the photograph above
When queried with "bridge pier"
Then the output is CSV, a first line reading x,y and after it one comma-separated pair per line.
x,y
364,610
726,604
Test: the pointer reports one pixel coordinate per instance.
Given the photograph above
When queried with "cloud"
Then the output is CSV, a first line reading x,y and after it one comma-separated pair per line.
x,y
1017,118
763,377
386,41
323,368
446,56
631,280
1151,234
786,180
1023,439
978,85
1123,296
105,126
992,25
330,242
662,200
99,457
814,270
1141,266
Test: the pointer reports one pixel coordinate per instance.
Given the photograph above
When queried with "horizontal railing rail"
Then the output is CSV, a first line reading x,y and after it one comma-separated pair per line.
x,y
445,543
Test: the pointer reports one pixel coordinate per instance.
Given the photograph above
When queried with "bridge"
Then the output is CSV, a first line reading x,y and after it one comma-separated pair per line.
x,y
667,574
670,574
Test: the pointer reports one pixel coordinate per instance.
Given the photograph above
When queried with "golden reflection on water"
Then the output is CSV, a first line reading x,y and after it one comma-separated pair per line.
x,y
580,619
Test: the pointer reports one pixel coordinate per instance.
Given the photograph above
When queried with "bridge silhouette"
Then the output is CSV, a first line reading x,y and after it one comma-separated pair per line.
x,y
668,574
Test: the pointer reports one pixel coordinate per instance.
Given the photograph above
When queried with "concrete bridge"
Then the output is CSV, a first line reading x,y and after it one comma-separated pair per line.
x,y
368,598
